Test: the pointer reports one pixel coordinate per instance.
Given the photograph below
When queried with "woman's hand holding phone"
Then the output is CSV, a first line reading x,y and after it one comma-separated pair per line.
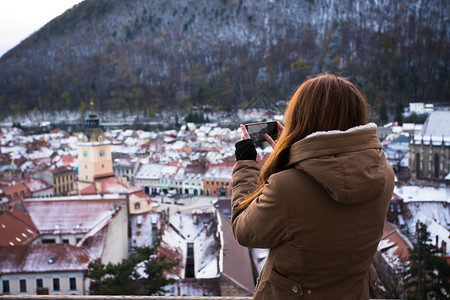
x,y
245,135
269,139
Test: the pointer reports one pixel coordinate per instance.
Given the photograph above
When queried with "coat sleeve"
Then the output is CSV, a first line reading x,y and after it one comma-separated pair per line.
x,y
263,223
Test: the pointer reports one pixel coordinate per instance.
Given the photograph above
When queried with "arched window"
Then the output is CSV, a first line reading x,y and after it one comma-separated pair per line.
x,y
418,165
436,165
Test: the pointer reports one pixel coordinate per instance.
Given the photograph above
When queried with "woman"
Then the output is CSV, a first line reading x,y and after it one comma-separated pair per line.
x,y
320,200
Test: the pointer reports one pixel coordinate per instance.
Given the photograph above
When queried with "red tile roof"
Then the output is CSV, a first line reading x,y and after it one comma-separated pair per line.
x,y
16,192
68,160
394,236
109,185
37,184
61,170
16,228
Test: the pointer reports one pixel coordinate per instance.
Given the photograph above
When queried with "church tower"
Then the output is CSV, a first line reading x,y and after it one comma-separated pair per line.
x,y
94,152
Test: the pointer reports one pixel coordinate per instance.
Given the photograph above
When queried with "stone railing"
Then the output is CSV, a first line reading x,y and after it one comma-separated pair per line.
x,y
76,297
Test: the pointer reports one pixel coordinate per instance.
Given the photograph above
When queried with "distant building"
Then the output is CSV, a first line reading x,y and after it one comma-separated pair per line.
x,y
396,152
396,213
52,269
148,178
62,178
428,205
167,179
429,152
124,167
217,179
72,220
94,153
13,191
39,187
141,203
419,108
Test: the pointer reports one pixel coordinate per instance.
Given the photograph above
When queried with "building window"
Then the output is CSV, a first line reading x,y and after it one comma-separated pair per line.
x,y
72,283
103,166
418,165
436,165
48,241
65,241
39,283
391,207
5,287
137,206
189,269
56,284
399,208
23,285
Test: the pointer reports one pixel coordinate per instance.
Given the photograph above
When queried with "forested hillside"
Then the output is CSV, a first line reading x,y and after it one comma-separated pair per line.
x,y
145,56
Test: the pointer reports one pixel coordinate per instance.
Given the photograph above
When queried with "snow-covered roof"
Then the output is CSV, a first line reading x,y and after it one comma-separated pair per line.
x,y
37,185
411,193
70,214
437,124
180,230
437,211
219,172
42,258
394,247
437,232
149,171
169,171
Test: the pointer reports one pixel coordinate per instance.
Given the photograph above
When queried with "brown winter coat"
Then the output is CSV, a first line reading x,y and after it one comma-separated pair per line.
x,y
322,217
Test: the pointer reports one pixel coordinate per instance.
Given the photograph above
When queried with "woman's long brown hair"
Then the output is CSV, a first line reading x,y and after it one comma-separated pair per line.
x,y
326,102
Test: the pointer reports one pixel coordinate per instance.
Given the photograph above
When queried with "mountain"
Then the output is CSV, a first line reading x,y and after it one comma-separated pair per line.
x,y
146,56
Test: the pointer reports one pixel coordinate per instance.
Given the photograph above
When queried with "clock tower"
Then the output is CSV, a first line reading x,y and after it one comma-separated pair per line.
x,y
94,152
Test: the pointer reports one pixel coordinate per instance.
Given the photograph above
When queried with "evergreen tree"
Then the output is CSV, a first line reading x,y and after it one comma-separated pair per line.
x,y
399,113
124,279
154,268
429,273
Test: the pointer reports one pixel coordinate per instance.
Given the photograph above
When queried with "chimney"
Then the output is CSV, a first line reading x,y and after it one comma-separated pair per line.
x,y
98,186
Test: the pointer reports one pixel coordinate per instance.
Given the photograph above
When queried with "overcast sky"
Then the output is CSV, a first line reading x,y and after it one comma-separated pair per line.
x,y
20,18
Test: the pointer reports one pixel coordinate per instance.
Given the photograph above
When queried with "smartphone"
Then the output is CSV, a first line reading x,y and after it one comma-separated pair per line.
x,y
257,130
